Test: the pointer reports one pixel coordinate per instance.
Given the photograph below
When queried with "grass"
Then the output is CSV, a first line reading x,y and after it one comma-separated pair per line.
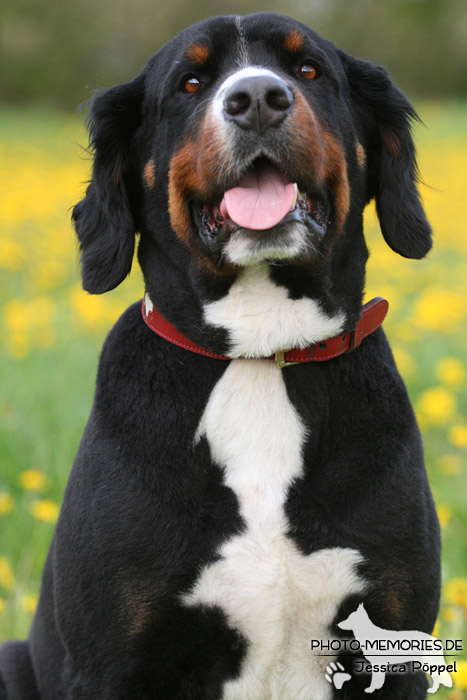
x,y
51,333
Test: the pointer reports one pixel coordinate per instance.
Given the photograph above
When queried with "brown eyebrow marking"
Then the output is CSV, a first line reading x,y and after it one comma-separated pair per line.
x,y
294,40
198,53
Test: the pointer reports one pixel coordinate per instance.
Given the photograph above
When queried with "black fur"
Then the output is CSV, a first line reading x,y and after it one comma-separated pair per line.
x,y
385,115
103,221
145,507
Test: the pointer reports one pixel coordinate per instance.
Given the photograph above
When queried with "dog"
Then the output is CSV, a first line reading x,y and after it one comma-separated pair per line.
x,y
411,641
252,467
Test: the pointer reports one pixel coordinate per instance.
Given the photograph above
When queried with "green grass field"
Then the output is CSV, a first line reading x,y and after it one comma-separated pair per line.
x,y
51,333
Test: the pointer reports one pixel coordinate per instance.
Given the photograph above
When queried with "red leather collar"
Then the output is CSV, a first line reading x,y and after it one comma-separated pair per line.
x,y
372,315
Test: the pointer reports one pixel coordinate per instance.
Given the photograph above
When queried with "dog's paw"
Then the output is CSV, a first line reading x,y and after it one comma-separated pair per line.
x,y
336,674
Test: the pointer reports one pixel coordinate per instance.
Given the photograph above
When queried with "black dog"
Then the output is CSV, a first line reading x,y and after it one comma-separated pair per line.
x,y
222,514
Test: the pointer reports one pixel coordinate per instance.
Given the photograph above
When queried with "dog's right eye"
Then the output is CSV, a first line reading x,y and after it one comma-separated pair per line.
x,y
307,70
191,84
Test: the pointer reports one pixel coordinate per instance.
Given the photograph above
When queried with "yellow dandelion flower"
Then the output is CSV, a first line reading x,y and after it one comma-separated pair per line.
x,y
458,435
6,503
450,371
460,677
450,464
440,310
29,603
455,592
26,321
95,311
91,309
7,580
436,629
33,480
16,316
450,614
444,514
437,405
47,511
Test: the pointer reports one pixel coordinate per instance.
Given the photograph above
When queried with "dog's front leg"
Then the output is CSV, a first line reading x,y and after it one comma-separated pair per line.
x,y
377,681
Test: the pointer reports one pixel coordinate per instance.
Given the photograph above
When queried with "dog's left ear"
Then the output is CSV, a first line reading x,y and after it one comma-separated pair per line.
x,y
385,116
103,220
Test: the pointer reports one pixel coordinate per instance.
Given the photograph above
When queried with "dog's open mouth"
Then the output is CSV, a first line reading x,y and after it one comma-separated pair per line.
x,y
262,201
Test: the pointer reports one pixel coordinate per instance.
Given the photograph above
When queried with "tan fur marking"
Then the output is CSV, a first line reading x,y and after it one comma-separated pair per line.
x,y
306,142
337,175
361,155
193,169
198,54
294,41
180,178
319,150
150,173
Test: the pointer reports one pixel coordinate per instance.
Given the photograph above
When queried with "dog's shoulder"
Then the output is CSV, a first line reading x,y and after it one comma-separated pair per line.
x,y
141,375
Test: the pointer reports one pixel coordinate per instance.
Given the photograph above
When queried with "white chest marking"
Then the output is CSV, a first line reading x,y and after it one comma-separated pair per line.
x,y
278,598
261,318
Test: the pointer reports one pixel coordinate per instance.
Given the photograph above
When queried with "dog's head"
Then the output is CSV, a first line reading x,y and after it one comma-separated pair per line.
x,y
356,621
247,140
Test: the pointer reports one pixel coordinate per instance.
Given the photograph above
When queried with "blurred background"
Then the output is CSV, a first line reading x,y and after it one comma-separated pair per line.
x,y
53,54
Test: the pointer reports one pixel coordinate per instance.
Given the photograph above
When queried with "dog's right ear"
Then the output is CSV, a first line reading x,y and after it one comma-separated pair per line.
x,y
103,220
385,115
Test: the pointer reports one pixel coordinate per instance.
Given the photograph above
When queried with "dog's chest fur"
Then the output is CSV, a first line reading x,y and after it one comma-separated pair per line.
x,y
275,596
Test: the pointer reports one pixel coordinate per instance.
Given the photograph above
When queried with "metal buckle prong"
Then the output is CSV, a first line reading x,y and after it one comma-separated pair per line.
x,y
280,361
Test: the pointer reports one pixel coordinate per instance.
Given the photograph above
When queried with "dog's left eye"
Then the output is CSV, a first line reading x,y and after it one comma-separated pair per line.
x,y
307,71
191,84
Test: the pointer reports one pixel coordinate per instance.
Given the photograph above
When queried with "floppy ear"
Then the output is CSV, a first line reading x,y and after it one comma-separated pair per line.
x,y
103,221
385,115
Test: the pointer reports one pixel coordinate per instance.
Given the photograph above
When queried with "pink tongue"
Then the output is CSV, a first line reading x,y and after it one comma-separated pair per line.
x,y
260,202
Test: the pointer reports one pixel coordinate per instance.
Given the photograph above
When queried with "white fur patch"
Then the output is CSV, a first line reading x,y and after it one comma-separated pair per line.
x,y
276,597
248,72
149,306
246,248
262,319
243,44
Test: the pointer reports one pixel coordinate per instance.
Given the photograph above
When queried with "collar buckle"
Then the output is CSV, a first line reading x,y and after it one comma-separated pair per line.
x,y
280,361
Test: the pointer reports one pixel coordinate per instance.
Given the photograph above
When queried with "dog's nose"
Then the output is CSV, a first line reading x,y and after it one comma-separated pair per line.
x,y
258,102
